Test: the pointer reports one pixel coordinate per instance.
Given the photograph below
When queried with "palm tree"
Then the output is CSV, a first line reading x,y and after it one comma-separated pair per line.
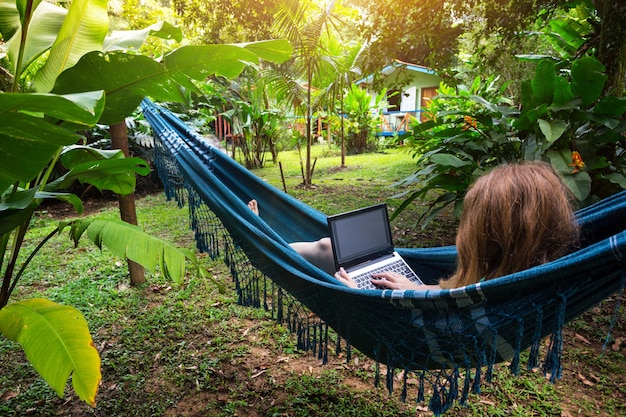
x,y
302,23
344,62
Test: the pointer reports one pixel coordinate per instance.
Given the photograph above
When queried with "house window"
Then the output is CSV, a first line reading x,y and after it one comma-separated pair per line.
x,y
394,97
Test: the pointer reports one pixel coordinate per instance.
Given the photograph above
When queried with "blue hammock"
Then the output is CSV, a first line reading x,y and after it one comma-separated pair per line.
x,y
449,338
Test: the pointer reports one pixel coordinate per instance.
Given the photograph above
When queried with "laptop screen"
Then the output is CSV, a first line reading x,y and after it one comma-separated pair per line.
x,y
360,235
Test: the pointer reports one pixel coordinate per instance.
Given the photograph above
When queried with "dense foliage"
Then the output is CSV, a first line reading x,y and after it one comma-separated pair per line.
x,y
428,31
335,42
564,119
226,21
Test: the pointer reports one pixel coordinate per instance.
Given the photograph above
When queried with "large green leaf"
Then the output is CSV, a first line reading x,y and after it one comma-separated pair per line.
x,y
83,30
12,218
277,51
127,78
28,141
579,183
568,36
16,200
134,39
562,92
552,129
83,108
25,199
617,178
72,199
543,83
9,19
588,79
45,23
24,153
57,343
198,62
117,175
130,242
78,154
611,106
448,160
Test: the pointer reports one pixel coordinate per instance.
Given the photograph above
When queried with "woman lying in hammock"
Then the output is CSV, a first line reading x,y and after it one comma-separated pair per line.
x,y
515,217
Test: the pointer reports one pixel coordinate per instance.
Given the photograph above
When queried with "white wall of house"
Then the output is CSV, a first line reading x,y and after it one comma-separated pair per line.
x,y
410,99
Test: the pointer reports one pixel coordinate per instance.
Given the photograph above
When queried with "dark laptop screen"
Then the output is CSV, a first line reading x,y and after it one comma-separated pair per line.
x,y
360,235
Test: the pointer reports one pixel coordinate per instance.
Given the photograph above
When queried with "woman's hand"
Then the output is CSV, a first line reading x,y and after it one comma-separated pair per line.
x,y
394,281
343,276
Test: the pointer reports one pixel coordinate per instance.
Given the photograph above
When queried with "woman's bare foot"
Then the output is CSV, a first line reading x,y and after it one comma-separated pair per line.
x,y
254,206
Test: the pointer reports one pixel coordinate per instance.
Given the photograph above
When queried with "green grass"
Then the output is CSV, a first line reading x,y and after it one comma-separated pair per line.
x,y
375,173
188,350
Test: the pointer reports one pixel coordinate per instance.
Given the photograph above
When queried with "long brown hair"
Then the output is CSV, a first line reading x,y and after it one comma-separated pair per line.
x,y
515,217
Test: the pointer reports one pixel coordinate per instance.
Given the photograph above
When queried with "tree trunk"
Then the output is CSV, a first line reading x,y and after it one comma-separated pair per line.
x,y
612,48
342,115
308,178
128,212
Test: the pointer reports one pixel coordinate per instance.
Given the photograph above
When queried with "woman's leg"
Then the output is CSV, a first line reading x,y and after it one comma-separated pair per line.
x,y
319,253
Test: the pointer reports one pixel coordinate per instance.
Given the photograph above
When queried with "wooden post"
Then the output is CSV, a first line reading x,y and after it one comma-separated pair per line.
x,y
282,175
128,211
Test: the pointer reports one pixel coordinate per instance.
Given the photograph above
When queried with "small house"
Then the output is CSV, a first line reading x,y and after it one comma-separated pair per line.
x,y
409,87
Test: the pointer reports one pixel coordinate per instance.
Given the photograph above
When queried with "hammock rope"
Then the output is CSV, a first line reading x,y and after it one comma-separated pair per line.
x,y
440,335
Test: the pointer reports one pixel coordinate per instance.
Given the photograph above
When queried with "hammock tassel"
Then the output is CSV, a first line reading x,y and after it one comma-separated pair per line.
x,y
514,367
377,369
389,379
420,391
492,355
616,314
466,385
533,357
552,365
435,402
403,394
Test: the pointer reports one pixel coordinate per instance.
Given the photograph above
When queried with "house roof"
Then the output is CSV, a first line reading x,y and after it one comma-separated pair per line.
x,y
393,67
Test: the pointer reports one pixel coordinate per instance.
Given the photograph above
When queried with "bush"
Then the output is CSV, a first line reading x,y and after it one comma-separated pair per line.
x,y
360,123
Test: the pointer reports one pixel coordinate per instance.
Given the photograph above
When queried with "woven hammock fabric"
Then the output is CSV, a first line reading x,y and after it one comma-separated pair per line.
x,y
455,335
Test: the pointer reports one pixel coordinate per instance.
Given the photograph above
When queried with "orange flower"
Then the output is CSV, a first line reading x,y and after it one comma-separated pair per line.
x,y
577,162
470,123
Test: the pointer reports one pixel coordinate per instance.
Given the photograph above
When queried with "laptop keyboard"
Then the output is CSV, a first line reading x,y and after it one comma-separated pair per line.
x,y
363,280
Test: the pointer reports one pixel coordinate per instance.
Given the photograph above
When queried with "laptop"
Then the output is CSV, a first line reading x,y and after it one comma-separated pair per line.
x,y
363,246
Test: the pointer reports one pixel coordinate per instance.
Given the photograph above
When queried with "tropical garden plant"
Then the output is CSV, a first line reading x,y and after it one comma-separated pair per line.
x,y
253,116
62,83
361,119
469,130
567,120
341,70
